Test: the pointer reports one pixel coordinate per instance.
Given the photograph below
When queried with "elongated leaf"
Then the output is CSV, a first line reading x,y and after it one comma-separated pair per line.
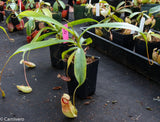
x,y
120,4
30,26
45,35
81,21
69,61
39,33
146,15
55,6
41,17
123,25
156,35
7,20
37,45
113,8
134,14
47,12
67,51
62,4
14,6
88,41
80,66
154,9
6,33
117,19
125,10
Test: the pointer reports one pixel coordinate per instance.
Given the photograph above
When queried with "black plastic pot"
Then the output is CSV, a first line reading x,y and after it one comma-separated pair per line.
x,y
55,55
1,17
7,13
126,57
140,47
146,7
89,86
78,11
14,19
57,16
93,1
1,8
123,40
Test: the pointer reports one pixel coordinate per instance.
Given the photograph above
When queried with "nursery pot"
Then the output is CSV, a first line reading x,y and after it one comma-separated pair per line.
x,y
123,40
146,7
89,86
14,19
78,11
55,55
1,8
93,1
7,13
57,16
1,17
140,47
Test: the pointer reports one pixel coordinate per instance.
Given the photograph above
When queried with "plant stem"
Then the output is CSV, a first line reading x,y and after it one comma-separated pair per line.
x,y
3,70
25,75
74,93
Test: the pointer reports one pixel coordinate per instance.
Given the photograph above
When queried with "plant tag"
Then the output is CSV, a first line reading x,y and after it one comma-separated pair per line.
x,y
142,23
65,33
97,9
20,7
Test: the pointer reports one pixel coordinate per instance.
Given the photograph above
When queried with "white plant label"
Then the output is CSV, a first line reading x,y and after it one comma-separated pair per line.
x,y
97,9
20,7
142,23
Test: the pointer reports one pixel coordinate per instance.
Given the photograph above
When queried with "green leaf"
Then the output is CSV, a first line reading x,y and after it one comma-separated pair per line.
x,y
156,35
26,6
88,41
81,21
55,6
125,10
7,20
41,44
123,25
69,61
41,17
134,14
39,33
113,8
120,4
80,66
14,6
154,9
30,26
6,33
146,15
47,12
117,19
45,35
67,51
62,4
